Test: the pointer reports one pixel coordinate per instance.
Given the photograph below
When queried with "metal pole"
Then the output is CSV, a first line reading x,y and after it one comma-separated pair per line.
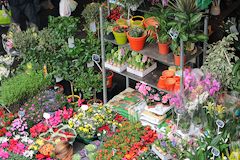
x,y
206,33
108,6
181,66
127,82
103,59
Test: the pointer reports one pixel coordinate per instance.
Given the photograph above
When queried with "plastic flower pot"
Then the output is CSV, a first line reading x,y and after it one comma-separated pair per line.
x,y
177,87
136,43
169,84
163,48
121,38
94,102
177,60
73,100
121,22
109,79
151,21
137,21
177,78
168,73
161,82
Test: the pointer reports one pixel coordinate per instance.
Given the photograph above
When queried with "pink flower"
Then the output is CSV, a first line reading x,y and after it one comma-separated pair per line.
x,y
3,155
69,100
144,59
4,145
8,134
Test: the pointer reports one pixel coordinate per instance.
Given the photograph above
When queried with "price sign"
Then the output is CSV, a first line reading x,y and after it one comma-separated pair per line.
x,y
71,42
96,58
173,33
21,114
215,152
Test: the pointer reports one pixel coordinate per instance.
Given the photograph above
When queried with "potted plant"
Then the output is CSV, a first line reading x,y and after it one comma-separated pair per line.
x,y
120,34
108,27
161,15
175,47
137,21
136,37
187,20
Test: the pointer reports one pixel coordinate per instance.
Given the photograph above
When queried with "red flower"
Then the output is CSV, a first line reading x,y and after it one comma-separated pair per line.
x,y
39,156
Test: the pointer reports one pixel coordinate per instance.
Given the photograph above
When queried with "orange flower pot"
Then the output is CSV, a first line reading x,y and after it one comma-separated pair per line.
x,y
136,43
163,48
169,84
177,60
177,87
168,73
151,21
177,78
161,82
110,79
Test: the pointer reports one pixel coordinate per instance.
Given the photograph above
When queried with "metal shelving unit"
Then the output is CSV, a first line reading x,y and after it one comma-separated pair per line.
x,y
151,50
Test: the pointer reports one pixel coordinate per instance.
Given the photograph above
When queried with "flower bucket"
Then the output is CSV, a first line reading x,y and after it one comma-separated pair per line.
x,y
137,21
5,16
161,82
136,43
169,84
177,60
76,98
177,78
168,73
121,38
163,48
94,101
110,79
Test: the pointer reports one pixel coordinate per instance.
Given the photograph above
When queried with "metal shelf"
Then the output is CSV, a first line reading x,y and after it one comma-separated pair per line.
x,y
151,79
151,50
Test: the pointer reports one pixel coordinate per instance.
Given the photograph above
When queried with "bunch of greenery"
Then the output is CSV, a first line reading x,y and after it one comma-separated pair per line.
x,y
91,12
64,27
219,61
89,82
22,86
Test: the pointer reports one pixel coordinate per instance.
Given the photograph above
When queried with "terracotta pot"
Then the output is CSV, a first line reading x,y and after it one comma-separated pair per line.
x,y
163,48
121,38
136,43
110,79
94,101
177,60
168,73
161,82
169,84
137,21
151,21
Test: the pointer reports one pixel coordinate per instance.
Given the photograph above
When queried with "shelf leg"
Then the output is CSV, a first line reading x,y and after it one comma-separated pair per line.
x,y
182,66
206,33
127,82
103,59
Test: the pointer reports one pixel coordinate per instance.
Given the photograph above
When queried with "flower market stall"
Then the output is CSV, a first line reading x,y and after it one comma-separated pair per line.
x,y
54,91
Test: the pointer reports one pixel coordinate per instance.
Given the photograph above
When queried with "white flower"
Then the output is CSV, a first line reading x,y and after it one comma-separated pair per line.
x,y
17,137
28,154
203,97
99,134
3,139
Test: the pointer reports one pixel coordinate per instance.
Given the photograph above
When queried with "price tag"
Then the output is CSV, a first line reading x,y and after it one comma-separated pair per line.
x,y
173,33
114,151
96,58
215,152
21,114
114,128
90,64
220,123
71,43
93,27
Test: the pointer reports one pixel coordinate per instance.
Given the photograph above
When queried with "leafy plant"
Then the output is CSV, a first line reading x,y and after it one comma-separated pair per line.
x,y
162,15
186,21
64,27
120,29
136,32
91,12
219,60
22,86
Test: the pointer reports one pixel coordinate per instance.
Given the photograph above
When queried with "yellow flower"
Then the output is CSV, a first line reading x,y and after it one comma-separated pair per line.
x,y
70,124
33,147
39,142
80,128
85,130
220,109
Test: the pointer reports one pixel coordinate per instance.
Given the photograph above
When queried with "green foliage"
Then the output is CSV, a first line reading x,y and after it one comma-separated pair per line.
x,y
89,82
162,16
64,27
22,86
219,61
91,12
136,32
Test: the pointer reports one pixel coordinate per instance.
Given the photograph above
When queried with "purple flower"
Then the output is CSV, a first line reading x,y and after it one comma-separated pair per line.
x,y
160,136
163,144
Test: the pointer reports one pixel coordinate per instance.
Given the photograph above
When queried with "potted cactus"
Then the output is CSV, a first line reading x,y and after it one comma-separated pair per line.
x,y
136,37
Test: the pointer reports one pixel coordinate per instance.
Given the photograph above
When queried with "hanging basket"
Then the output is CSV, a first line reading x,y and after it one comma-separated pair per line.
x,y
76,98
